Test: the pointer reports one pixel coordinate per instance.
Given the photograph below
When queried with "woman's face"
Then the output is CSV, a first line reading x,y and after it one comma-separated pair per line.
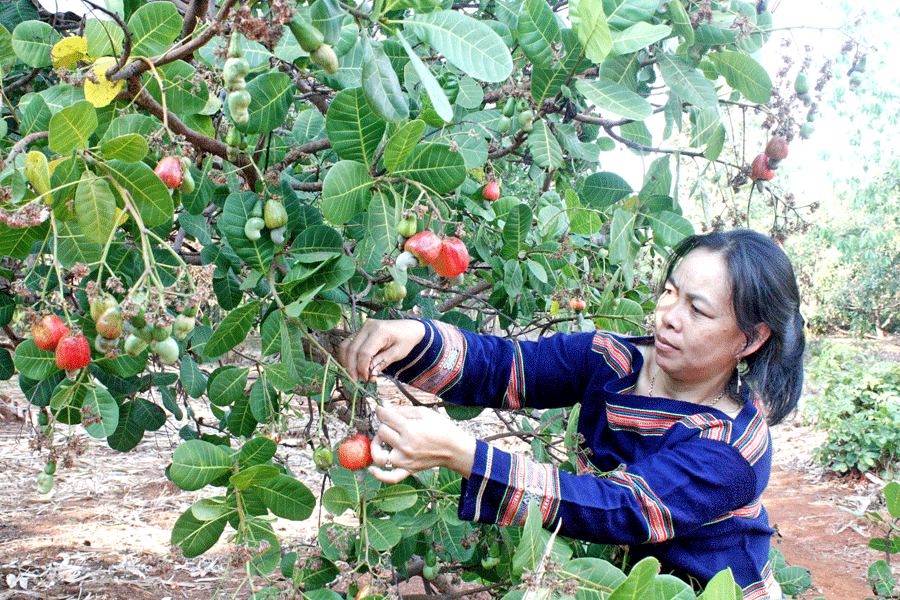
x,y
697,336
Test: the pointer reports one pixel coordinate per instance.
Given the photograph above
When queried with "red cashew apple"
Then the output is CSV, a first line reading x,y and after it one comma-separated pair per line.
x,y
760,168
355,452
453,259
73,352
777,148
48,331
169,170
422,248
491,191
577,303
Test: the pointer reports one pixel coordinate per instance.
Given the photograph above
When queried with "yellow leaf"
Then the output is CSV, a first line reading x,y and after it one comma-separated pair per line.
x,y
38,173
67,52
98,90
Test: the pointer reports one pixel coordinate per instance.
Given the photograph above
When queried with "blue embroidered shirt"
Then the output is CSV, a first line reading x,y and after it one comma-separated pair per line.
x,y
671,479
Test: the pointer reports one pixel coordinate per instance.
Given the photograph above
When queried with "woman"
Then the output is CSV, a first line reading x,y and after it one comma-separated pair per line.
x,y
676,450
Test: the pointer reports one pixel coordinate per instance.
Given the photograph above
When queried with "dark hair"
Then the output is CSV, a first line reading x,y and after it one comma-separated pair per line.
x,y
763,290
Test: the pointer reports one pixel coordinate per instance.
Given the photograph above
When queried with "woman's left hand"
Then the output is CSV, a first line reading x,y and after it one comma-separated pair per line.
x,y
419,438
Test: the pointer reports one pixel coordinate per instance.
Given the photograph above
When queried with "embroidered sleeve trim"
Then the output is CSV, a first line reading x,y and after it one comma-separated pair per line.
x,y
656,515
755,440
765,589
515,391
447,367
614,352
529,480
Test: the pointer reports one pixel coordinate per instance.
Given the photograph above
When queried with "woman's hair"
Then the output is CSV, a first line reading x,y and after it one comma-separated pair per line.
x,y
763,290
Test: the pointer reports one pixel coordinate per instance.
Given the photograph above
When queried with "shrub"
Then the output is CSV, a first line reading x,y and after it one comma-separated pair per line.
x,y
856,399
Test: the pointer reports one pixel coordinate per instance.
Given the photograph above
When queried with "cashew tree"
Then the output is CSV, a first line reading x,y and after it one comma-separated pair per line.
x,y
180,178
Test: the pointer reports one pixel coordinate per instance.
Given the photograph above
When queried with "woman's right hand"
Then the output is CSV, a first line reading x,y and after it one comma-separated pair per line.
x,y
376,345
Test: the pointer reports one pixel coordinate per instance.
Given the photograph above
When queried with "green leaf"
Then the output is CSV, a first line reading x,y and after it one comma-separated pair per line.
x,y
744,74
196,464
227,385
353,127
681,22
892,498
401,145
346,191
73,247
262,399
34,363
395,498
545,150
621,14
687,82
538,31
615,98
382,534
154,26
255,475
232,330
589,21
322,314
428,81
32,42
195,536
622,244
104,38
638,36
270,99
639,581
36,115
381,85
668,228
528,553
149,193
257,451
17,242
129,433
192,378
436,166
95,208
467,43
71,127
318,243
721,587
595,577
517,226
336,500
186,93
99,403
238,208
287,497
127,148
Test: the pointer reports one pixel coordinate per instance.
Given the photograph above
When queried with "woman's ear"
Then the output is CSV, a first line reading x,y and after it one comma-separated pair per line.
x,y
762,334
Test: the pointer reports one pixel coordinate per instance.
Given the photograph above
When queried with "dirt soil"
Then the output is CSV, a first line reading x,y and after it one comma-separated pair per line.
x,y
103,532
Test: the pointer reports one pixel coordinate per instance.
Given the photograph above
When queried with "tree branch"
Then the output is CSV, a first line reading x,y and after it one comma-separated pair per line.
x,y
144,100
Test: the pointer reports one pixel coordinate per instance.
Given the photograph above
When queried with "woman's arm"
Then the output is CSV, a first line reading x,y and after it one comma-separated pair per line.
x,y
478,370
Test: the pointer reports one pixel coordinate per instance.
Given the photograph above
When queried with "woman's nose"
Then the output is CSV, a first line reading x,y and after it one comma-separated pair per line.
x,y
670,316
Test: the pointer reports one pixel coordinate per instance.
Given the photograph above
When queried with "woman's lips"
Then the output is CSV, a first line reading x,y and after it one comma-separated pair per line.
x,y
663,346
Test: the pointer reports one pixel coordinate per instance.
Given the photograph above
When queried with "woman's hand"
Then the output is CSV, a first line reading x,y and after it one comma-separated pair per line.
x,y
378,344
419,439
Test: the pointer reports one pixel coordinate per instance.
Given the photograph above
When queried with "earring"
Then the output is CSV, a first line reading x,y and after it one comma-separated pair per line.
x,y
742,369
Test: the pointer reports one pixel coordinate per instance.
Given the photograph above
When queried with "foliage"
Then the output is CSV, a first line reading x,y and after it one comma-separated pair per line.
x,y
880,577
348,120
849,255
794,581
856,400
